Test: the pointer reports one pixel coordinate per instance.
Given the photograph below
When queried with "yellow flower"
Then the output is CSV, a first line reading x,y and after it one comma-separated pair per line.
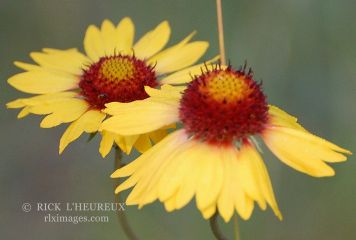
x,y
214,156
72,87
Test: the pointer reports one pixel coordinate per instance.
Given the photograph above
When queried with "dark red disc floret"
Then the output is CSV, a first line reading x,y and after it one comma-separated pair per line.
x,y
118,78
211,117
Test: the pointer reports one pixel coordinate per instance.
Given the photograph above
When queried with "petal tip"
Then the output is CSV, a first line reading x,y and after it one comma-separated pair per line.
x,y
103,154
62,146
117,190
115,175
60,151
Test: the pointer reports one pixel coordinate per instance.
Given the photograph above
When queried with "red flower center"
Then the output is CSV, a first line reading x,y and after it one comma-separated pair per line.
x,y
223,106
118,78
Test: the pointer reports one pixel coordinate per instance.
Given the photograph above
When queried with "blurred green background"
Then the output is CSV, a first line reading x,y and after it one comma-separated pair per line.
x,y
303,50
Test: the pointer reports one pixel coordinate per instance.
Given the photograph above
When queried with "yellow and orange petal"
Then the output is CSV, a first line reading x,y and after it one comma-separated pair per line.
x,y
71,87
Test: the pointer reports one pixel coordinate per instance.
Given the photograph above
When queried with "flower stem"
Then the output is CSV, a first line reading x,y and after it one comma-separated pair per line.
x,y
121,214
215,228
221,32
236,228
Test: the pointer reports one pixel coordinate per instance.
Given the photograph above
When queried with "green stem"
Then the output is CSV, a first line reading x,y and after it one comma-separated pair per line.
x,y
121,214
236,228
215,228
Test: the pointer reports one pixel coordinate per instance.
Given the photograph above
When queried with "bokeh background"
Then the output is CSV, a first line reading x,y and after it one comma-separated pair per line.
x,y
305,53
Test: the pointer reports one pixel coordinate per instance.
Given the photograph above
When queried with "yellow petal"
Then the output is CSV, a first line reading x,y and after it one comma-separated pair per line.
x,y
24,112
67,61
167,94
42,82
125,32
61,112
210,177
226,197
139,117
108,33
303,151
186,75
41,99
126,142
169,204
168,142
147,176
172,48
248,176
145,170
189,179
209,211
262,179
106,143
158,135
54,50
178,58
120,142
233,189
153,41
29,103
143,143
26,66
128,183
177,166
109,40
281,118
93,43
244,205
18,103
148,188
43,107
89,122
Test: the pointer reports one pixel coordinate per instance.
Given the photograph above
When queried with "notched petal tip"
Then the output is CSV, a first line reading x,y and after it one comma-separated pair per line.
x,y
226,217
117,190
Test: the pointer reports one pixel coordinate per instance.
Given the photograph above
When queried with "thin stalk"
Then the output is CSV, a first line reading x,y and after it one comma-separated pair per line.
x,y
236,228
121,214
215,228
221,32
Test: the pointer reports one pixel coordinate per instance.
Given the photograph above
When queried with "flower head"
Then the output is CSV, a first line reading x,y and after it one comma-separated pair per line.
x,y
72,87
214,157
209,105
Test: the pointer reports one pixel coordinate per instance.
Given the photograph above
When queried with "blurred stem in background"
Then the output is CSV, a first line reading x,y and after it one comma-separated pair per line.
x,y
215,228
213,220
121,214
